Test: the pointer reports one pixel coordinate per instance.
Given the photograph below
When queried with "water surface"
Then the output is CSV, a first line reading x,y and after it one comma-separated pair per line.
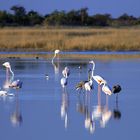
x,y
41,109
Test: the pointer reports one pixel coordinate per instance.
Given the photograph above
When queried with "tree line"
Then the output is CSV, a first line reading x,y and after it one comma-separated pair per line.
x,y
20,17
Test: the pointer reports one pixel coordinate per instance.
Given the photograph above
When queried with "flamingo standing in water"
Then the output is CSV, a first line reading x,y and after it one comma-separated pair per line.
x,y
65,74
55,53
10,83
87,85
55,65
106,89
63,82
9,78
97,78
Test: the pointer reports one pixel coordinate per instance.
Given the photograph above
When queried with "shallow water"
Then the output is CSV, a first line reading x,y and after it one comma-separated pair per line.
x,y
41,109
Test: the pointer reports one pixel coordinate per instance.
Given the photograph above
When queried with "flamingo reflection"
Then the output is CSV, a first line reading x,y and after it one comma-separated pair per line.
x,y
100,113
64,107
106,114
84,107
16,117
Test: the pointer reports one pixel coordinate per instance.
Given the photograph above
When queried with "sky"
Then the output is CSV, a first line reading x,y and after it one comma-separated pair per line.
x,y
114,7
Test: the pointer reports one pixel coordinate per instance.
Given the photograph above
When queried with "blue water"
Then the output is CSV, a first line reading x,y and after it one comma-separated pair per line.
x,y
41,109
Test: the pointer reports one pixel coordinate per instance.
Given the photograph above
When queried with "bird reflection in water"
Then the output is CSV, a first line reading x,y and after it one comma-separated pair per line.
x,y
16,116
116,111
84,107
56,63
106,114
100,113
64,107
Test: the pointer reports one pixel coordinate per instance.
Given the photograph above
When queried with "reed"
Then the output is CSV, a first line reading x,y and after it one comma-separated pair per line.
x,y
80,39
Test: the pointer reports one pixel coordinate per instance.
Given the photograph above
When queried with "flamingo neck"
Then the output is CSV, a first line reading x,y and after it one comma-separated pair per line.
x,y
93,67
53,57
11,71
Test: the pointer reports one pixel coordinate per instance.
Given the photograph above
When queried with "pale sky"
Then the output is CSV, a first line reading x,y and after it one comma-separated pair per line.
x,y
113,7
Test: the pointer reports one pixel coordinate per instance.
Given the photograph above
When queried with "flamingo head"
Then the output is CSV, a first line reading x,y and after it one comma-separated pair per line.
x,y
103,82
6,64
56,51
91,62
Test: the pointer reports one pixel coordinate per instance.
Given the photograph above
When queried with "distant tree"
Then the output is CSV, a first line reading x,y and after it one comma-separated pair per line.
x,y
101,20
19,15
6,19
56,18
73,17
34,18
126,20
84,15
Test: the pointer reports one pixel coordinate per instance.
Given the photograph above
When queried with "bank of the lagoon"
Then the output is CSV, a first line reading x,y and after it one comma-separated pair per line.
x,y
68,39
72,54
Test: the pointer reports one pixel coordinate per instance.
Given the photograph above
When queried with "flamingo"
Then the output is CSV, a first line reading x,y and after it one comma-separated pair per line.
x,y
55,53
66,72
3,93
16,84
106,89
63,82
8,68
9,78
97,78
116,89
10,83
87,85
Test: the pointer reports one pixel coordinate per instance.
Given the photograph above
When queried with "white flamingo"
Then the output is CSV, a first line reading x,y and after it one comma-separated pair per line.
x,y
97,78
10,83
66,72
106,89
55,53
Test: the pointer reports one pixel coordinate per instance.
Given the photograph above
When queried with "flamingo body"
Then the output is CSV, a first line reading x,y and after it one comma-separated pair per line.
x,y
106,89
116,89
66,72
63,81
16,84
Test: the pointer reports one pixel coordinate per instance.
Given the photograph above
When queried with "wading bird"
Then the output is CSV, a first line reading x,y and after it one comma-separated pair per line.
x,y
55,53
16,84
9,78
63,82
97,78
106,89
8,69
66,72
10,83
86,85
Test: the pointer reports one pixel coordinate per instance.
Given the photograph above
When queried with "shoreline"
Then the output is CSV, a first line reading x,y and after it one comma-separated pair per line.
x,y
70,56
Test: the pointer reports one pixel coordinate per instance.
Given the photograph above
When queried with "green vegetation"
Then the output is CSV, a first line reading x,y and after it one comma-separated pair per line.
x,y
20,17
77,39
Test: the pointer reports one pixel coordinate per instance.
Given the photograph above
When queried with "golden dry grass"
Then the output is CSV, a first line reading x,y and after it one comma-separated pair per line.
x,y
31,39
